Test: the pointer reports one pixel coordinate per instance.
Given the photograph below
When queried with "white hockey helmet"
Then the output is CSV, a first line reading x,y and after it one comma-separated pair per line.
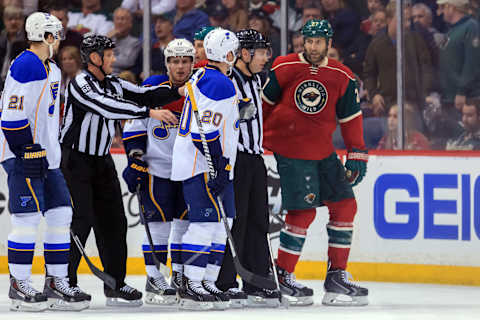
x,y
218,43
179,48
39,23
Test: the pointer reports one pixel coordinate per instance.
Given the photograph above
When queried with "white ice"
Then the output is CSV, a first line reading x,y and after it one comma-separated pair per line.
x,y
387,301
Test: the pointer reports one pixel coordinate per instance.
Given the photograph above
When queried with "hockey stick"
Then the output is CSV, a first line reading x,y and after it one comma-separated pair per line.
x,y
160,266
105,277
259,281
283,302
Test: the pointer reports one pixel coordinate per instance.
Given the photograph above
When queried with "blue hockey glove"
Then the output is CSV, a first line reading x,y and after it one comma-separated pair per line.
x,y
356,165
136,173
222,168
34,161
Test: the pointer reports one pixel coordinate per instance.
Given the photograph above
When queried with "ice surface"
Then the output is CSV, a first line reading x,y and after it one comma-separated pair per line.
x,y
387,301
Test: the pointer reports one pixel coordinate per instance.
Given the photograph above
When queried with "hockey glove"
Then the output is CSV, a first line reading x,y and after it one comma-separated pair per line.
x,y
222,168
356,165
136,173
34,161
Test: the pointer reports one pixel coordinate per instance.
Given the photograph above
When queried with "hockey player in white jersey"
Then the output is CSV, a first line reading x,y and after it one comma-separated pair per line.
x,y
203,245
30,154
149,144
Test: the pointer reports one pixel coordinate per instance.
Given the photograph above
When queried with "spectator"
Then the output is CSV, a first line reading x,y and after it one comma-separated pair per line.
x,y
158,7
72,37
127,47
373,6
237,15
295,21
438,22
90,19
414,140
458,58
334,53
380,67
258,20
379,22
12,39
469,139
422,15
297,42
311,10
217,15
188,19
163,32
70,64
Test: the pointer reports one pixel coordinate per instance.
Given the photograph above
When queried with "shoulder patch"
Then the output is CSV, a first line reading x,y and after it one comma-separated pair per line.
x,y
27,67
155,80
216,86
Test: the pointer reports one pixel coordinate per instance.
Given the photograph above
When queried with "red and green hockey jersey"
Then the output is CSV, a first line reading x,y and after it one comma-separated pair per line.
x,y
302,103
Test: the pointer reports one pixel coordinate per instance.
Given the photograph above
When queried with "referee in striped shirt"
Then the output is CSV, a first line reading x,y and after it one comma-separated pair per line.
x,y
95,101
250,226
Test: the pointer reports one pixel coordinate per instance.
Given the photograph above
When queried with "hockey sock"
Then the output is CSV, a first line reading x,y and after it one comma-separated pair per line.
x,y
340,231
160,232
196,244
21,244
56,246
179,227
217,251
292,237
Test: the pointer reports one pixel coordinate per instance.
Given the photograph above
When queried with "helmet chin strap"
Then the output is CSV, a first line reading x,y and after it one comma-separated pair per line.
x,y
50,48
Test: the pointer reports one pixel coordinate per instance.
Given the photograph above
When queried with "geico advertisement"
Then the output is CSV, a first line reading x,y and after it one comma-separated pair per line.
x,y
414,209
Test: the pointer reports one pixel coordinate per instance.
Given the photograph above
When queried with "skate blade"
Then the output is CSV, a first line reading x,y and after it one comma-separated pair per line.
x,y
238,303
158,299
187,304
221,305
22,306
336,299
62,305
119,302
259,302
297,301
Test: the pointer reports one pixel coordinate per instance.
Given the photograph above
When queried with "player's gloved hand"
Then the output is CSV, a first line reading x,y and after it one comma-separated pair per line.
x,y
34,161
136,173
356,165
222,168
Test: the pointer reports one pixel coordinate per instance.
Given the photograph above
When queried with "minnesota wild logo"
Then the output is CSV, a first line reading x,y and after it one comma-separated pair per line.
x,y
311,96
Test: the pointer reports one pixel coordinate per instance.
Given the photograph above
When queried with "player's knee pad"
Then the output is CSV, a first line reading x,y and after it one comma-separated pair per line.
x,y
179,227
59,219
24,226
342,211
340,226
220,235
299,220
160,232
200,232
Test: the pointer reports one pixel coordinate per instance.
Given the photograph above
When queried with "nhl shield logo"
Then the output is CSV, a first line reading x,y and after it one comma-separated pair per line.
x,y
311,96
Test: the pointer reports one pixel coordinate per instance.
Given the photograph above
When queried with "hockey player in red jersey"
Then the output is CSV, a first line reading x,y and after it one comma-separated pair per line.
x,y
304,97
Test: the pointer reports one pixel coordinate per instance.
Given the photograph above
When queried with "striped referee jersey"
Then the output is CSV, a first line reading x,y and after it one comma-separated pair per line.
x,y
251,130
93,109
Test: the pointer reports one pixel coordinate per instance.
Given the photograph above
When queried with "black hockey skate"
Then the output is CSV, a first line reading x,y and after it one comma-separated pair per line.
x,y
159,292
176,280
192,296
339,291
63,297
296,293
82,293
257,297
238,298
25,298
126,296
222,301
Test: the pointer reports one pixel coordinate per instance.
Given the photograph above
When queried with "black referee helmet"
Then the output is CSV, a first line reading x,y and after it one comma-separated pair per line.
x,y
92,42
252,39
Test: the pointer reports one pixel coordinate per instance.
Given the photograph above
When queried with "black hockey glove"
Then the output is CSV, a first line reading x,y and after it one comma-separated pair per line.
x,y
34,161
222,169
136,173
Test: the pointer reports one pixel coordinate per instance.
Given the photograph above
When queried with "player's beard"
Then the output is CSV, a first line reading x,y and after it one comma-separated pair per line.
x,y
317,57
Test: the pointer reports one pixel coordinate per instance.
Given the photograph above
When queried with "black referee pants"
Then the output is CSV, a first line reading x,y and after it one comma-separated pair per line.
x,y
97,204
250,227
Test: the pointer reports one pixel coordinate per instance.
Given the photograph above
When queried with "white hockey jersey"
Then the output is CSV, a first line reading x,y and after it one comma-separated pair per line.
x,y
160,141
30,99
217,104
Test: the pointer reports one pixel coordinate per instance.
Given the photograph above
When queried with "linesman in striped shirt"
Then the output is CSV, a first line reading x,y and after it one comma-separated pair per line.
x,y
95,102
251,223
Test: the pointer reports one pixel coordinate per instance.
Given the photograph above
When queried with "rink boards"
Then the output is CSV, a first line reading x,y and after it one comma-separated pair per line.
x,y
418,220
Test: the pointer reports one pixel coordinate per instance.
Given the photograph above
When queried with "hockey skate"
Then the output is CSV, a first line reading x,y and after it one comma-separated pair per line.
x,y
25,298
192,296
159,292
238,298
296,293
339,291
63,297
126,296
81,292
176,280
222,301
262,297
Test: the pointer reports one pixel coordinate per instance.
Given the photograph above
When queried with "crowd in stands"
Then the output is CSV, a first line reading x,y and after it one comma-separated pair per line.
x,y
442,52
